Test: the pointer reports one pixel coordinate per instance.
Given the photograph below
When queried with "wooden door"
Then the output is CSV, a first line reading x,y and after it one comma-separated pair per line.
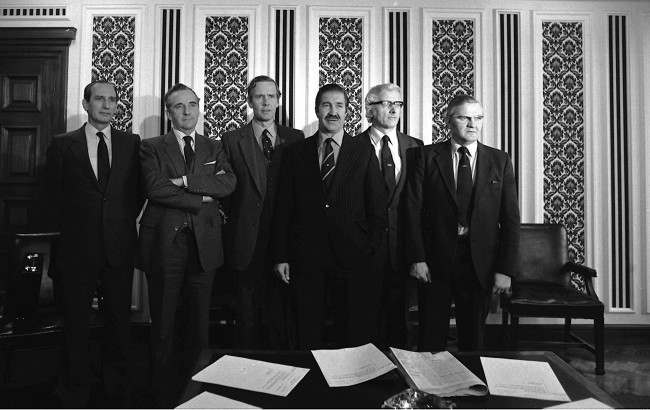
x,y
33,87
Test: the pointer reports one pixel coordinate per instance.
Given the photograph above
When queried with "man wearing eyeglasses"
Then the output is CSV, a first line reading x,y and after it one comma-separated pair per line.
x,y
384,104
462,222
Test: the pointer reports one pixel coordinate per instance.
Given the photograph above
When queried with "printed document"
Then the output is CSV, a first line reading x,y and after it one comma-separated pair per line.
x,y
352,365
589,403
440,374
522,378
249,374
207,400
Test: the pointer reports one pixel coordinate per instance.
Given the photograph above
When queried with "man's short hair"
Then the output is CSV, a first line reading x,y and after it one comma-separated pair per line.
x,y
373,95
327,88
88,89
177,87
261,79
457,101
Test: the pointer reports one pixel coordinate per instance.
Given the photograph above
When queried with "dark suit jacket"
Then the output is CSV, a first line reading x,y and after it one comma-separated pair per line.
x,y
431,213
92,222
395,237
254,193
346,223
169,206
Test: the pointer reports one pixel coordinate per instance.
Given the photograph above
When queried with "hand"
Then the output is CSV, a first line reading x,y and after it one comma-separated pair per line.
x,y
420,271
501,284
282,270
207,199
177,181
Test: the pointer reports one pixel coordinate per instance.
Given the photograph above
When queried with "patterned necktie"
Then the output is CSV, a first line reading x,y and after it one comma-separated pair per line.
x,y
267,145
387,165
327,167
189,153
103,164
463,186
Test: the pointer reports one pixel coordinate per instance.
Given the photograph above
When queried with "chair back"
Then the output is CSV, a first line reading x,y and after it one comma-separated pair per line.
x,y
543,251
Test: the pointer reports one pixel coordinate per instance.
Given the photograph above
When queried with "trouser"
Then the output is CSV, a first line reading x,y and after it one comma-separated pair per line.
x,y
181,279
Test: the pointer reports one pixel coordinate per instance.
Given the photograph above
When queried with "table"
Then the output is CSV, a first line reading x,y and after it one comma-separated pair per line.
x,y
313,391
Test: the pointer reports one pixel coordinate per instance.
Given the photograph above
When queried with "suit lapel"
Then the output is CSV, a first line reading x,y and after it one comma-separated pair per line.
x,y
446,167
201,151
483,167
247,148
310,157
174,152
79,149
117,147
345,160
401,145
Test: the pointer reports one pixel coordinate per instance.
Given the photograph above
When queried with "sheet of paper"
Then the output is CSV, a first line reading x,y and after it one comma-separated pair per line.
x,y
207,400
440,374
522,378
589,403
249,374
352,365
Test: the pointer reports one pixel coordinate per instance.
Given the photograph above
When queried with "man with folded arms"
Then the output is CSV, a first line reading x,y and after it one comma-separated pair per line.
x,y
184,175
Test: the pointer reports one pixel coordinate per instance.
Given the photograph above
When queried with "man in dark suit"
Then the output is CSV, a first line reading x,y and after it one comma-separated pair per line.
x,y
463,228
254,151
184,174
91,179
384,104
328,223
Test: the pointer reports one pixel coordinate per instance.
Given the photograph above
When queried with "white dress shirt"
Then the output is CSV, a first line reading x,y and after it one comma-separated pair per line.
x,y
92,141
336,147
463,230
376,140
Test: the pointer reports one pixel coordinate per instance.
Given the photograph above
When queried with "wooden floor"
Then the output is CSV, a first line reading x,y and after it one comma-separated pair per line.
x,y
627,377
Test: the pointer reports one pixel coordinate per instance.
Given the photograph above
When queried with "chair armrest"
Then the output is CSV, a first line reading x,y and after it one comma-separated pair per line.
x,y
580,269
584,283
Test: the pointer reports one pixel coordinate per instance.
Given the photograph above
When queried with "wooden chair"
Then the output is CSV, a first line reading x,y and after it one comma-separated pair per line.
x,y
545,288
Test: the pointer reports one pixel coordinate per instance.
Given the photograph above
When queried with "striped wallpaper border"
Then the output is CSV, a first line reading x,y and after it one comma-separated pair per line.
x,y
284,64
620,163
509,85
398,59
170,60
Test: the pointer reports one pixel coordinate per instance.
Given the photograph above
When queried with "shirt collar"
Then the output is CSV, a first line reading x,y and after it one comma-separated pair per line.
x,y
92,131
377,135
180,134
258,129
338,138
471,148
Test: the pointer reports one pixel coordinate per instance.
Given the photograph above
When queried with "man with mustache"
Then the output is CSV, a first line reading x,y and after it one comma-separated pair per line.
x,y
384,104
462,220
329,221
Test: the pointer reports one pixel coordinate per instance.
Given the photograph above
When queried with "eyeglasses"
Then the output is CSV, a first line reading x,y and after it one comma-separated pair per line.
x,y
388,104
466,119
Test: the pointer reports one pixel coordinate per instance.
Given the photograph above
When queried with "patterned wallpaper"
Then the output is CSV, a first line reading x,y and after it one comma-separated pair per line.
x,y
340,57
112,60
564,159
452,65
226,73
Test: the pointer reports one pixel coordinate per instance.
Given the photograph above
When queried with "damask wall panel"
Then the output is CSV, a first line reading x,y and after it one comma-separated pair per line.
x,y
398,58
170,59
508,85
284,64
113,60
563,128
340,56
452,68
226,73
619,164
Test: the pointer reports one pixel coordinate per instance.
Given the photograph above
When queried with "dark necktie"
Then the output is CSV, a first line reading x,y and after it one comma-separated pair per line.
x,y
327,167
103,164
267,145
463,186
387,164
189,153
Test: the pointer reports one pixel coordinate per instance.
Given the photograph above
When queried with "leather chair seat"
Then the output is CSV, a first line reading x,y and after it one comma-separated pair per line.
x,y
550,295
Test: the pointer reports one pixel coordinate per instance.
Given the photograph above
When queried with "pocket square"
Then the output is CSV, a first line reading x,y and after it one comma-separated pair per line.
x,y
210,163
494,181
